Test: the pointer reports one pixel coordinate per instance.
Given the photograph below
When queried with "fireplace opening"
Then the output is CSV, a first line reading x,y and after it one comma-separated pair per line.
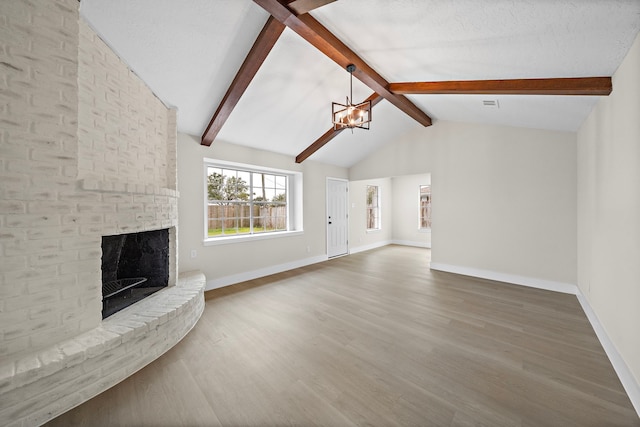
x,y
134,266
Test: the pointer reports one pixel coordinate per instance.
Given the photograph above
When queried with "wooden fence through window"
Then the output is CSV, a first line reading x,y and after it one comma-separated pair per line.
x,y
232,216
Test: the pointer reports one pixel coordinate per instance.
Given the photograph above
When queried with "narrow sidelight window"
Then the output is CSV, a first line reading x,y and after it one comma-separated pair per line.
x,y
425,207
373,207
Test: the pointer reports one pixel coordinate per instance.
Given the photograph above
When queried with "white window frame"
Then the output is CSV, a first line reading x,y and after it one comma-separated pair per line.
x,y
378,226
294,203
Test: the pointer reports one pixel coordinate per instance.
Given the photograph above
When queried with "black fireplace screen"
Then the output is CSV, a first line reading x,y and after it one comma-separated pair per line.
x,y
134,266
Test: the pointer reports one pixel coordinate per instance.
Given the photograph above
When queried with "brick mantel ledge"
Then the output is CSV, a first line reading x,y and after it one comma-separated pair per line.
x,y
113,186
42,386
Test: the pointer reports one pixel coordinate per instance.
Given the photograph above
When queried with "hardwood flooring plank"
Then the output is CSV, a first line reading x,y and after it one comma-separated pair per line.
x,y
375,339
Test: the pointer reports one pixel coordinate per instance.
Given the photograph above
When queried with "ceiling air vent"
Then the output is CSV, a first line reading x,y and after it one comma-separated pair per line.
x,y
491,103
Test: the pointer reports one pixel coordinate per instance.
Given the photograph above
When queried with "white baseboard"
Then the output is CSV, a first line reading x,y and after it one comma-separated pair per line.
x,y
411,243
532,282
261,272
625,375
355,250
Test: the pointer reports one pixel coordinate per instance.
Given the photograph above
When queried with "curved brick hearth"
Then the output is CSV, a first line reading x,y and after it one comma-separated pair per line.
x,y
37,388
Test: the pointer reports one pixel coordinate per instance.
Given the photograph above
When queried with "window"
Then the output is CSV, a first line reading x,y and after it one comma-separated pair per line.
x,y
425,207
373,207
244,200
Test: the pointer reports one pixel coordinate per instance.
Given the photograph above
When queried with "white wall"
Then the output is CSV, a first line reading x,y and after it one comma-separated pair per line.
x,y
406,210
360,239
609,211
506,197
234,262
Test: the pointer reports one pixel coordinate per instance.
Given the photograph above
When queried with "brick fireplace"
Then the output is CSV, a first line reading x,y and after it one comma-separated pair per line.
x,y
86,151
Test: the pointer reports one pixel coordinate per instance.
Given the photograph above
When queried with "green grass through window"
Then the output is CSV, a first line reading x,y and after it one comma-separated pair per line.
x,y
240,230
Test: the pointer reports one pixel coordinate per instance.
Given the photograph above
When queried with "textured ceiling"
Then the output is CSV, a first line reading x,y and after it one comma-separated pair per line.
x,y
189,51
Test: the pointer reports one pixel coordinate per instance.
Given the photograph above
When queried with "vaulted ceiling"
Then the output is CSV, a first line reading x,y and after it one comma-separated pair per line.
x,y
189,52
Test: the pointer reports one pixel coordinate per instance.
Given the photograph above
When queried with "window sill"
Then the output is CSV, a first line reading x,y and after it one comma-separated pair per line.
x,y
374,230
424,230
215,241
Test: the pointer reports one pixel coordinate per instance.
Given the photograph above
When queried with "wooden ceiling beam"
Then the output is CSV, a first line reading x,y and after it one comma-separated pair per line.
x,y
594,86
305,6
330,134
320,37
258,53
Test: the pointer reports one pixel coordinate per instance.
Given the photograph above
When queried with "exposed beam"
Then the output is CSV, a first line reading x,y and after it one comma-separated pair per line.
x,y
330,134
258,53
320,37
305,6
560,86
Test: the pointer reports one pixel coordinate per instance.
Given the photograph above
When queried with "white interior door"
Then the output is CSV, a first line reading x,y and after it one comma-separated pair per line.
x,y
337,217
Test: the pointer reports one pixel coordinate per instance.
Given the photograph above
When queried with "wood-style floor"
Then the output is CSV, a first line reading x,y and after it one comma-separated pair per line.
x,y
378,339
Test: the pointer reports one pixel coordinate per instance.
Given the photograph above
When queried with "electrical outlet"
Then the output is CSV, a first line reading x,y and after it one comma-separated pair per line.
x,y
194,253
308,249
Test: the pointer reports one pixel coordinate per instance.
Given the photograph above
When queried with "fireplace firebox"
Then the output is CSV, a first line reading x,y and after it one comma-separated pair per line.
x,y
134,266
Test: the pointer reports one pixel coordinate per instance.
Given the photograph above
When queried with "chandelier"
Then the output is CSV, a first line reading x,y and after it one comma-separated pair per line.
x,y
351,115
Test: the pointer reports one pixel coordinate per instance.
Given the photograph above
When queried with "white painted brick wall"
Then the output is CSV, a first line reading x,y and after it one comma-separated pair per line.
x,y
123,127
38,146
86,150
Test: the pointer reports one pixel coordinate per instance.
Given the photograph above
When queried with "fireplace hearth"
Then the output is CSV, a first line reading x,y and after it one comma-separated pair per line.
x,y
134,266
